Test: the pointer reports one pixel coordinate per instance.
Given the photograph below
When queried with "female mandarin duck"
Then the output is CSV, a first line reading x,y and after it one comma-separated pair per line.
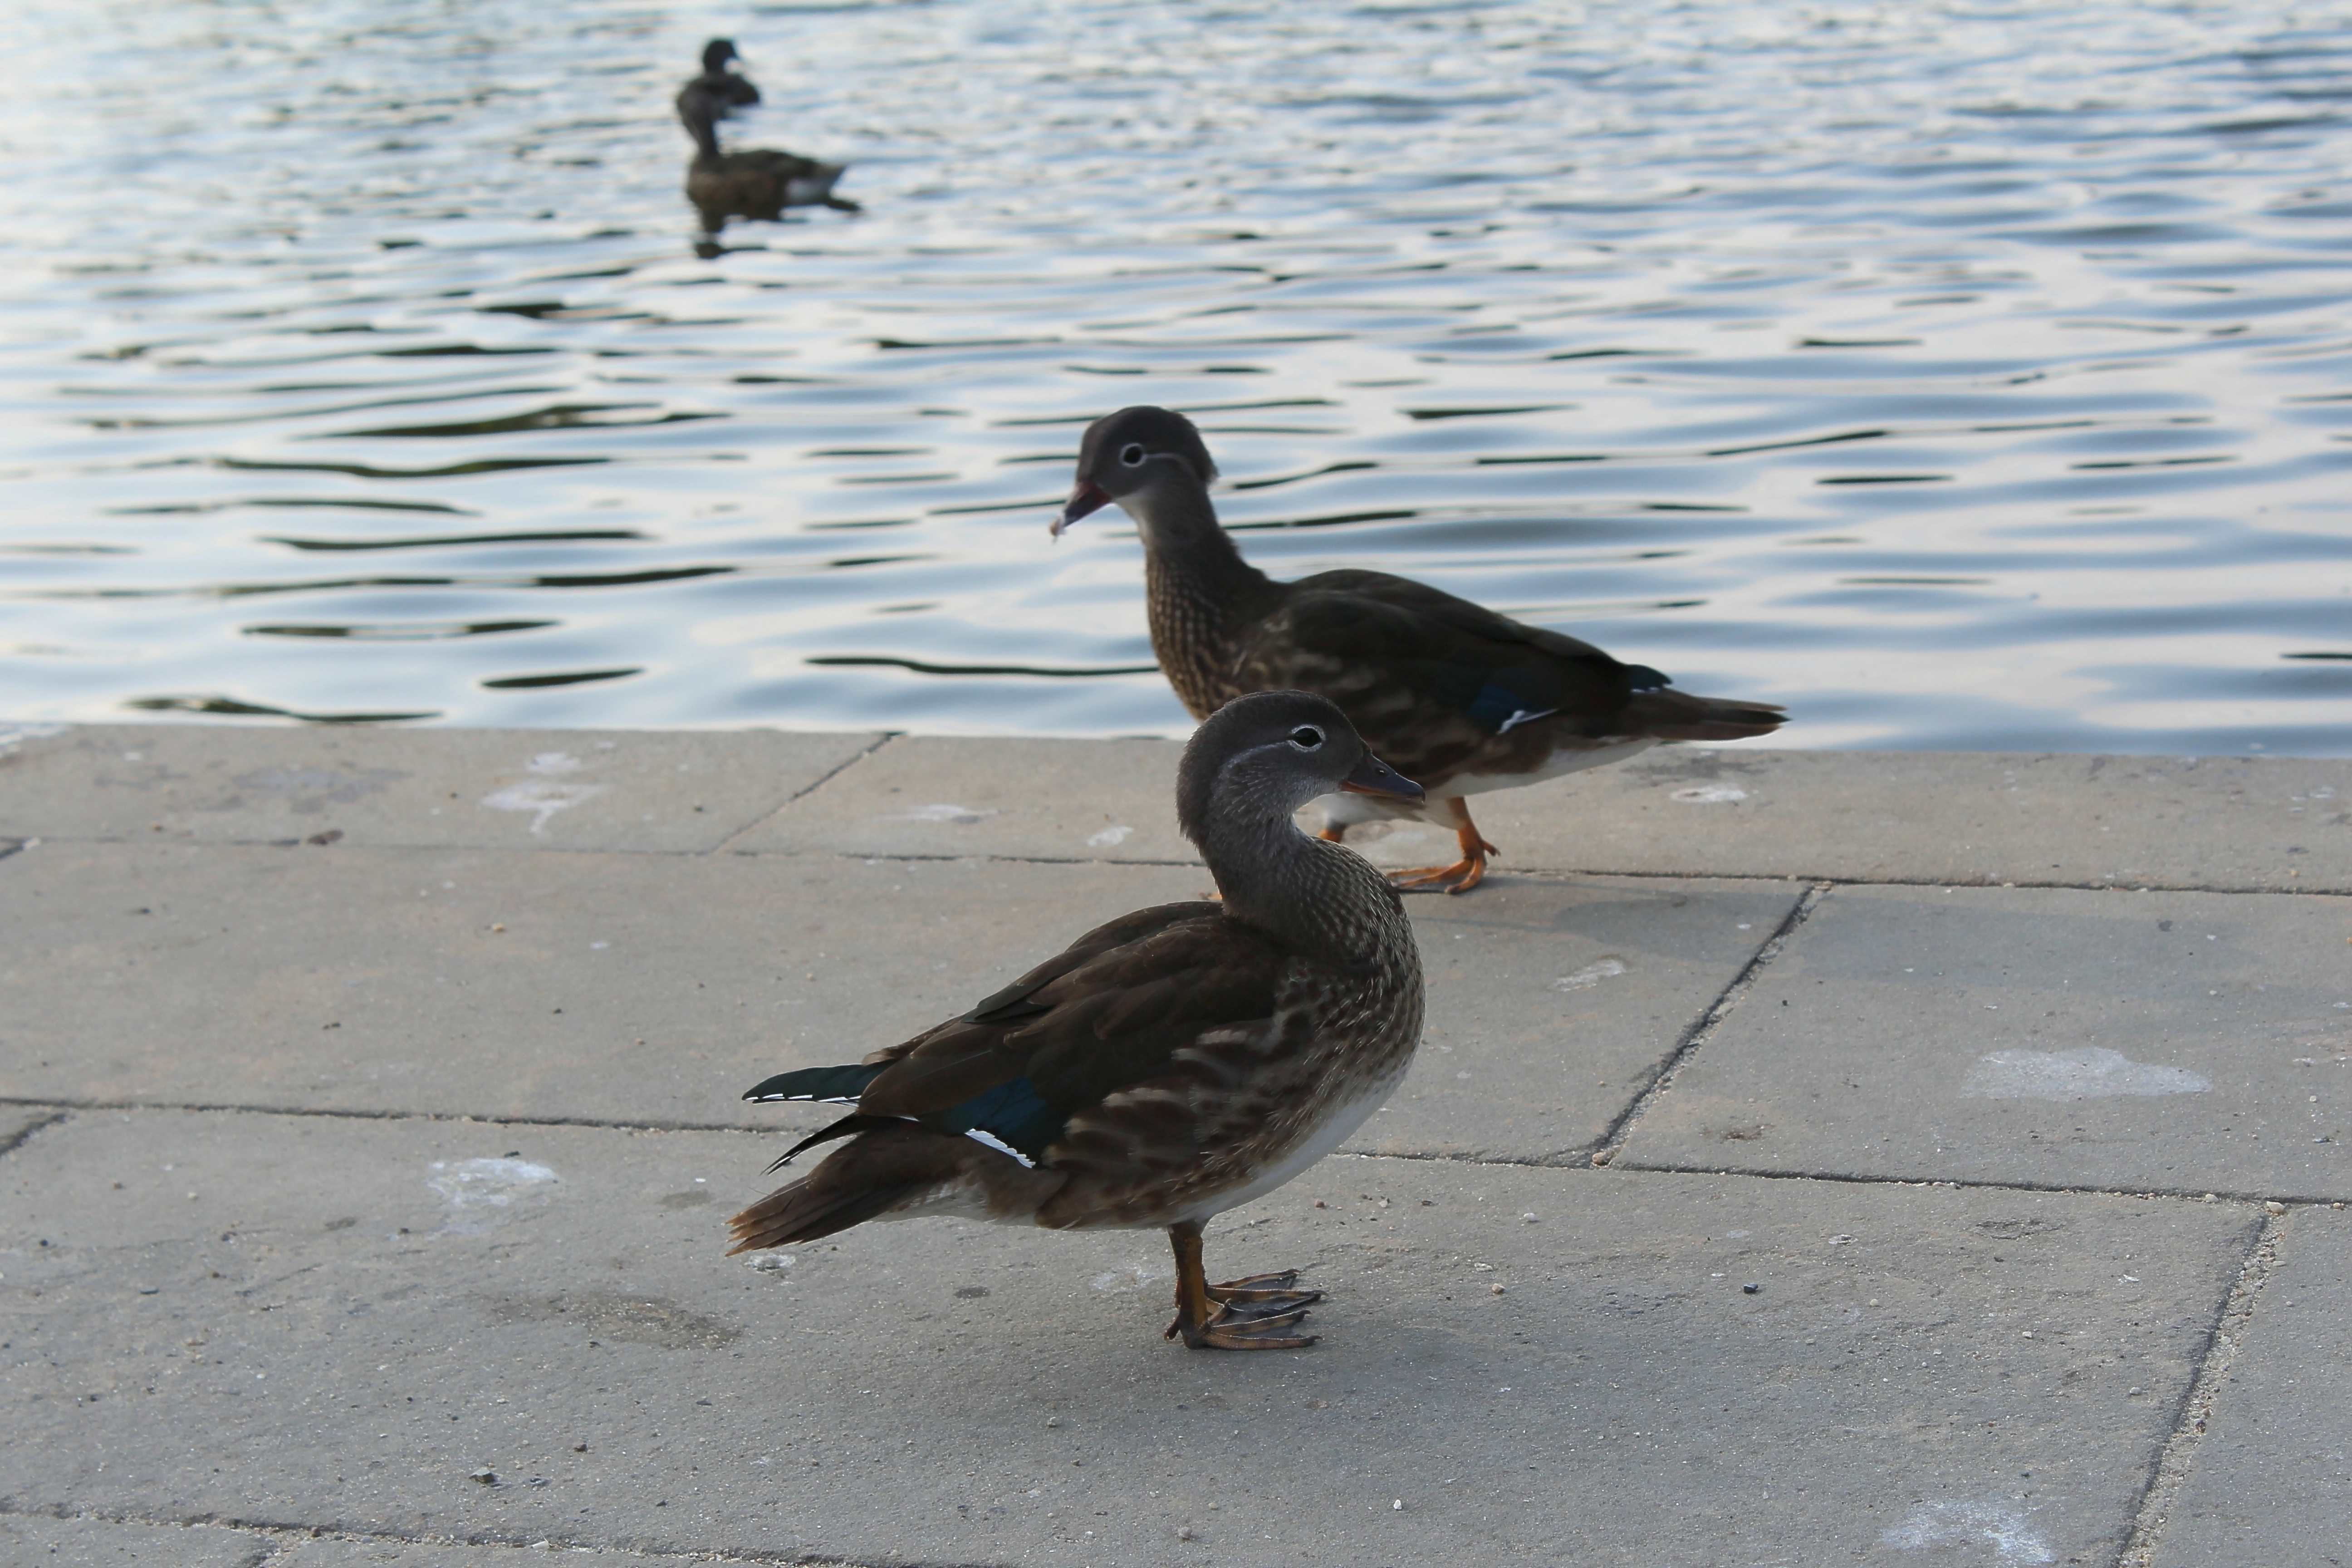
x,y
1176,1063
1464,699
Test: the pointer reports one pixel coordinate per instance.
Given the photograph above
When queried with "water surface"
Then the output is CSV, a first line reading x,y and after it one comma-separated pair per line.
x,y
1960,375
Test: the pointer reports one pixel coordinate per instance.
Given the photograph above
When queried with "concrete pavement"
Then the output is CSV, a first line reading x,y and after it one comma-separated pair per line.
x,y
368,1122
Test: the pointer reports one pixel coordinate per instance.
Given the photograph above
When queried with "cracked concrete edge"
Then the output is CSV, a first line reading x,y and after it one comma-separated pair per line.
x,y
2170,1469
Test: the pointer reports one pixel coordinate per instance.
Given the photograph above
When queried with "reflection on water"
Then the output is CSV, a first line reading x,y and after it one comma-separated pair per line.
x,y
1960,375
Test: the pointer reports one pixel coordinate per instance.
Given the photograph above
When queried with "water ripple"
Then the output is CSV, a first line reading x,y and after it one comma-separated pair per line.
x,y
1959,374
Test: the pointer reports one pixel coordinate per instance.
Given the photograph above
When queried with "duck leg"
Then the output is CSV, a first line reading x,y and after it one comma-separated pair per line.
x,y
1464,874
1240,1315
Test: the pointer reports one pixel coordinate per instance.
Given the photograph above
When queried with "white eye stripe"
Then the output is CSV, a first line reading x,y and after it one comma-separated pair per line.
x,y
1132,454
1307,738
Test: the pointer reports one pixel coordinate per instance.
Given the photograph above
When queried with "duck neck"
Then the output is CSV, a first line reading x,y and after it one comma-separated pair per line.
x,y
700,123
1314,897
1199,593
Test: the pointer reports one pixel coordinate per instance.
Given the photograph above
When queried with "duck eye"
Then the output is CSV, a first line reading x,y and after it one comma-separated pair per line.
x,y
1306,737
1132,454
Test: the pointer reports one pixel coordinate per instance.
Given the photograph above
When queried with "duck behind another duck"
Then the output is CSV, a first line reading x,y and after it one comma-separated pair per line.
x,y
754,183
1461,699
1173,1063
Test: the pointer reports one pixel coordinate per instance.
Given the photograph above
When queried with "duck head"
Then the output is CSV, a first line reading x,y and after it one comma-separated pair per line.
x,y
1141,458
716,54
1259,758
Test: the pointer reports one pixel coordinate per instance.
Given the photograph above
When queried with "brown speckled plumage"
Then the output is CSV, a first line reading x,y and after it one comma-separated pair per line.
x,y
1457,697
1169,1065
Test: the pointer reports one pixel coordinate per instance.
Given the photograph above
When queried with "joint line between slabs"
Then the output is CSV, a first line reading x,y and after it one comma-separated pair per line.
x,y
1544,875
68,1103
1977,884
1958,1183
65,1107
278,1538
1619,1131
1553,875
2168,1472
800,795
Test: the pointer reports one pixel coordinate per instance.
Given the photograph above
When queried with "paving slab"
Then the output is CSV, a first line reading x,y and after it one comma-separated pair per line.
x,y
2227,824
349,1321
2182,1042
654,989
2272,1481
30,1541
612,987
2230,824
559,789
1037,799
1553,1003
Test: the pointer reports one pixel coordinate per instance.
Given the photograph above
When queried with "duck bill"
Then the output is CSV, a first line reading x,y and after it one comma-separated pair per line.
x,y
1374,776
1084,497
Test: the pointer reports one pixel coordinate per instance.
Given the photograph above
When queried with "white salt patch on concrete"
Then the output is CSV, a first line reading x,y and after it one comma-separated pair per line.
x,y
1115,834
2087,1072
1708,795
540,795
942,811
1954,1523
481,1193
1590,975
770,1262
541,800
1133,1277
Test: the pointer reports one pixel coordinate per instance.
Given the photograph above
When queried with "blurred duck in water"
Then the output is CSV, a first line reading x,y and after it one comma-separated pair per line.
x,y
730,89
754,183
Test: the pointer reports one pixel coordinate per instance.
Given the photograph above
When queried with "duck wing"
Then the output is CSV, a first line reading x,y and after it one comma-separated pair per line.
x,y
1161,995
774,162
1438,684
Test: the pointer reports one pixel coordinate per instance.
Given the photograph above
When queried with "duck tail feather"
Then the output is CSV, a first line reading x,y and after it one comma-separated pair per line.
x,y
848,1126
835,1085
874,1173
805,1212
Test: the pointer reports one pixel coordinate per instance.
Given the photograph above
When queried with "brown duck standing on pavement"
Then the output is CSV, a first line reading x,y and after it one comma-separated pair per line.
x,y
753,182
1176,1063
731,90
1460,697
